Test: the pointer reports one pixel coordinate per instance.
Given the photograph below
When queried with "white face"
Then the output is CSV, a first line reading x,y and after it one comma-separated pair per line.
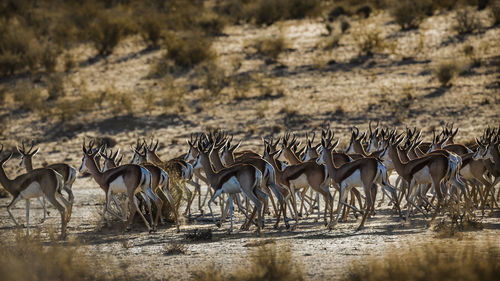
x,y
189,156
83,166
197,162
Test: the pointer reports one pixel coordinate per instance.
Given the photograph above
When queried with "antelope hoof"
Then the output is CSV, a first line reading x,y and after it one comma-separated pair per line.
x,y
42,220
218,225
287,225
276,225
48,213
360,228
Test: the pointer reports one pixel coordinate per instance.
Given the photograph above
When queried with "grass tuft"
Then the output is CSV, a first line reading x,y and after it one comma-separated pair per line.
x,y
434,260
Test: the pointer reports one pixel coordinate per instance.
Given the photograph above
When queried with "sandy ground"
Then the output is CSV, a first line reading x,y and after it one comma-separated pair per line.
x,y
323,254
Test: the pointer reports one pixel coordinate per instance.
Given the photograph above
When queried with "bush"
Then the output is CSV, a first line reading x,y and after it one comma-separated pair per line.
x,y
106,33
17,49
369,42
190,51
270,11
445,72
434,260
336,12
55,86
344,26
495,14
268,262
409,14
271,47
49,57
151,30
211,24
28,97
466,22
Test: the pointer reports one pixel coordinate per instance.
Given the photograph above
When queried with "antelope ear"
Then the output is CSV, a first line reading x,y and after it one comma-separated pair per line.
x,y
6,158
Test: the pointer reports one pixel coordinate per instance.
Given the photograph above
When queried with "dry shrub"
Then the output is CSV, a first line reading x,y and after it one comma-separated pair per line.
x,y
267,262
271,47
121,102
172,95
215,80
409,14
445,72
269,11
433,260
466,22
151,29
29,98
344,26
18,49
55,86
29,259
369,41
189,51
211,23
495,13
105,33
176,188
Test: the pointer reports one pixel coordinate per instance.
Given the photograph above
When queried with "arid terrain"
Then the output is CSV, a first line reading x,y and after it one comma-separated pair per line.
x,y
322,75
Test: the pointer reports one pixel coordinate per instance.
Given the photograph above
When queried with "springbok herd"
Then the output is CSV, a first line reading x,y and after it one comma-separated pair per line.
x,y
429,176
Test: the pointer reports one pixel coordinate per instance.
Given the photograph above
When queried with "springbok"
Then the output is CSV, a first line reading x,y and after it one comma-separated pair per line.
x,y
240,178
67,171
130,179
33,184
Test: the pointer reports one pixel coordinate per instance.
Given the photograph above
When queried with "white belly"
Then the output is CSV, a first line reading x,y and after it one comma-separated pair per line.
x,y
354,180
423,176
118,186
32,191
300,182
231,186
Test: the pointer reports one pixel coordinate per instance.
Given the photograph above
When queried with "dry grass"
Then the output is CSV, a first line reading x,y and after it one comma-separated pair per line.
x,y
174,249
409,14
434,260
495,13
29,259
267,262
369,41
188,51
466,22
271,47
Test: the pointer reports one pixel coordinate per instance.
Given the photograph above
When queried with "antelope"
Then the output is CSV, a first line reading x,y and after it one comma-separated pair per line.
x,y
129,178
33,184
365,172
240,178
264,167
148,195
435,165
299,177
67,171
159,179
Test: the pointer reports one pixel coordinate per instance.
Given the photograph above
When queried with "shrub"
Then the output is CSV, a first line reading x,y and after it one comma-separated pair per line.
x,y
271,47
270,11
189,51
336,12
49,57
28,97
344,26
106,33
17,49
215,80
445,72
466,22
409,14
151,29
211,24
267,262
365,11
369,41
495,14
434,260
55,86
